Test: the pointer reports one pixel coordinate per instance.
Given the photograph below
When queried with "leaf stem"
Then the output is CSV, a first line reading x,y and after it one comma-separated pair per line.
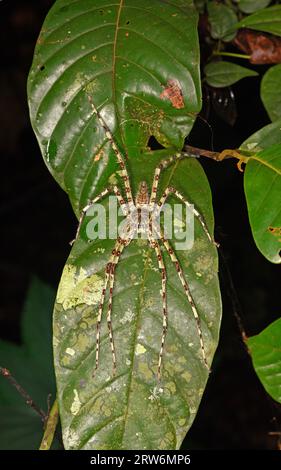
x,y
51,425
232,54
27,398
218,156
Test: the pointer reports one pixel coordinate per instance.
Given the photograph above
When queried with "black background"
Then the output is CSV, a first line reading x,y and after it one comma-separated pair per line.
x,y
37,224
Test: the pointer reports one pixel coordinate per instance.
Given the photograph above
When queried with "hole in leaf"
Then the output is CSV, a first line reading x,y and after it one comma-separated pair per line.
x,y
153,143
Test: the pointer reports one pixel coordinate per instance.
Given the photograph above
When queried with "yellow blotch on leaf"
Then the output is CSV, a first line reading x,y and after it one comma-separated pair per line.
x,y
76,288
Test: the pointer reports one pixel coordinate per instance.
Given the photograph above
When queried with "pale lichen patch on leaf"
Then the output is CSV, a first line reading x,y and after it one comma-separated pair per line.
x,y
128,317
76,288
70,351
71,439
76,404
140,349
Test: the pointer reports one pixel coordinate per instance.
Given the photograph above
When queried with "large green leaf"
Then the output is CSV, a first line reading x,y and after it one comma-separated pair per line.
x,y
262,184
270,92
133,410
268,20
222,73
126,56
265,349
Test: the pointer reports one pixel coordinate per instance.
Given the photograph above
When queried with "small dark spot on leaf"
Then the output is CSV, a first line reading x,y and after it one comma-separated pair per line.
x,y
42,68
101,12
153,143
275,231
128,22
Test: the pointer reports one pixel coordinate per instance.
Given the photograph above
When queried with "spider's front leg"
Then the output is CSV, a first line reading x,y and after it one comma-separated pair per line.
x,y
110,190
169,191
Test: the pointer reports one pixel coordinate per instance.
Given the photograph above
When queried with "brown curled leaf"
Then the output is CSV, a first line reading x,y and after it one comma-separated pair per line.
x,y
263,48
173,92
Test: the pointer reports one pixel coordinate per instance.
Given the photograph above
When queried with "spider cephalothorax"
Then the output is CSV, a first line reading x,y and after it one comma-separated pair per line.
x,y
142,196
141,217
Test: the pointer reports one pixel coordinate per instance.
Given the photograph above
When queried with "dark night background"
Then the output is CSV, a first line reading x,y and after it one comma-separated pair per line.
x,y
37,224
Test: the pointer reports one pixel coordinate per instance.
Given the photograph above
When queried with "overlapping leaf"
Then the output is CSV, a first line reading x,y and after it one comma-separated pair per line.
x,y
262,184
250,6
267,19
270,92
223,73
31,365
265,349
263,138
221,19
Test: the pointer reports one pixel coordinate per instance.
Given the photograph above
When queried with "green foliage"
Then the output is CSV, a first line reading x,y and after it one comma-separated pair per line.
x,y
126,59
221,19
267,20
270,92
265,349
222,73
31,365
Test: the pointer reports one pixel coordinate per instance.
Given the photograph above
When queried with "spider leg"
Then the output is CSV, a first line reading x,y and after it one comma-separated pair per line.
x,y
170,190
110,276
162,269
164,164
98,325
116,150
114,190
188,294
119,247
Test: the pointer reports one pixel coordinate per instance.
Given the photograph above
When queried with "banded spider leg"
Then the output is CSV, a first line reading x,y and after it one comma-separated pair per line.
x,y
155,208
110,276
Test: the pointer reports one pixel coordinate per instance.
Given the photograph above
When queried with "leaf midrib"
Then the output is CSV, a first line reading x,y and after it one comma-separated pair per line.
x,y
268,165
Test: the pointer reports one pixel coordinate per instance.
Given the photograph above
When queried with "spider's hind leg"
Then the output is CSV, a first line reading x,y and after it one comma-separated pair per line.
x,y
117,251
188,294
154,244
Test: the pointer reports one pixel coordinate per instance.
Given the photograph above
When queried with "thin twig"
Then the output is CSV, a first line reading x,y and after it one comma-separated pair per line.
x,y
218,156
232,294
27,398
50,429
